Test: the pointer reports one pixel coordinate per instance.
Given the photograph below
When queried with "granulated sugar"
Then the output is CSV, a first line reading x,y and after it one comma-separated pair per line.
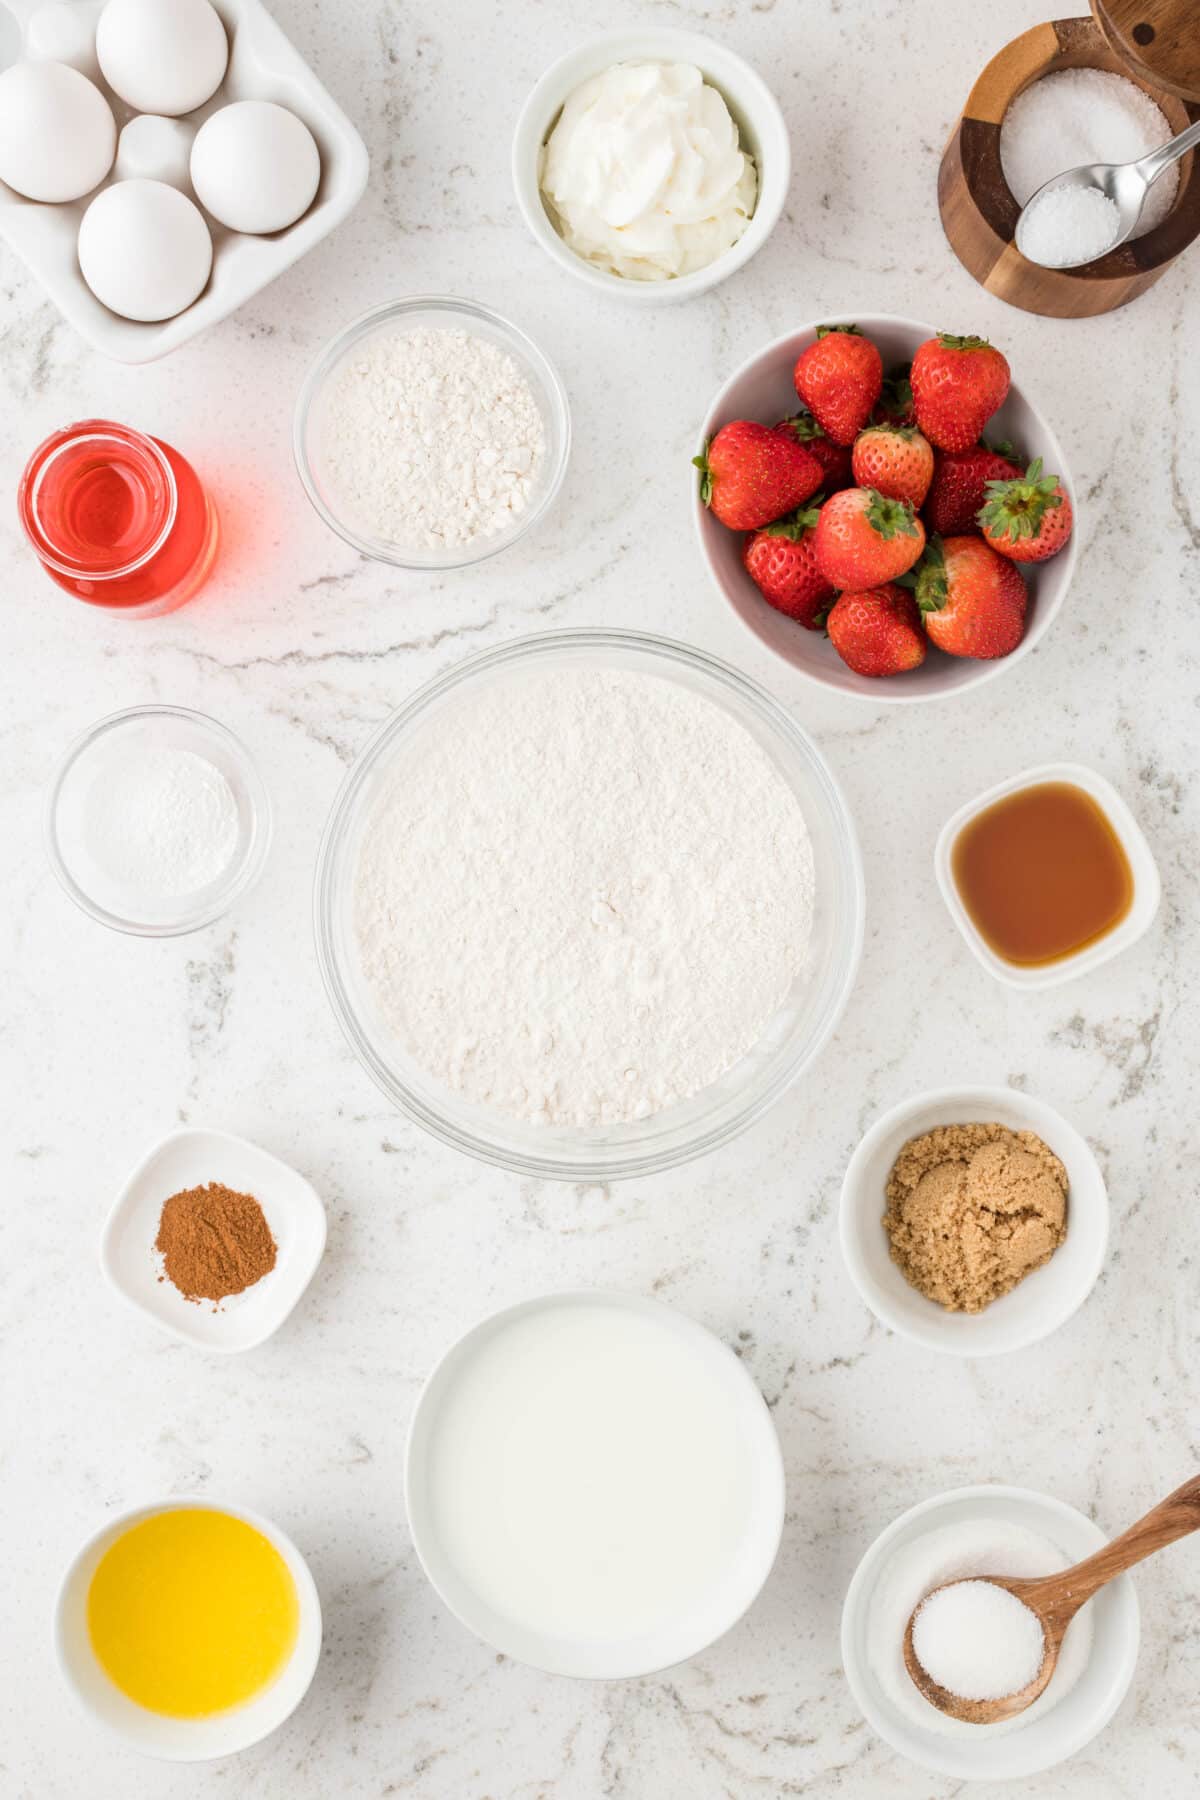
x,y
1078,116
583,896
1068,226
978,1641
982,1545
432,438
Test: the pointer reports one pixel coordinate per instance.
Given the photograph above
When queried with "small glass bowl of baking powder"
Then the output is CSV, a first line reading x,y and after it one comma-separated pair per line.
x,y
431,433
157,820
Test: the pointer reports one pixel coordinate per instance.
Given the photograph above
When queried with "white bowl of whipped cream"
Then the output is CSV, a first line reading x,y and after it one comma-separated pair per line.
x,y
651,164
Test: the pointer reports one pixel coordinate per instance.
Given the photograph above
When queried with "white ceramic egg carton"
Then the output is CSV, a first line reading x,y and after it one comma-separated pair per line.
x,y
263,65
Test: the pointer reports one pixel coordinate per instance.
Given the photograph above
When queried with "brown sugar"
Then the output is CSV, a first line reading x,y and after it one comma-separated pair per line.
x,y
214,1242
972,1210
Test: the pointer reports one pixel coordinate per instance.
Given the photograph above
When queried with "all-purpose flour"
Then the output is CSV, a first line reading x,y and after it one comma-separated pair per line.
x,y
583,896
433,438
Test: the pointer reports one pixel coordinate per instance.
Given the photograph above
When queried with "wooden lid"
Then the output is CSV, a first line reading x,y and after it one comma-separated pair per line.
x,y
1159,40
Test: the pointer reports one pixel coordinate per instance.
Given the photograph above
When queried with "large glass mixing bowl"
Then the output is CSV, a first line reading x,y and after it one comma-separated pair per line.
x,y
717,1113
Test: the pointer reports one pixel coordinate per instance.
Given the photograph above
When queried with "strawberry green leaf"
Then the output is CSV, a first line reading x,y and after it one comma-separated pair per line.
x,y
949,341
931,586
794,525
906,432
850,330
706,481
1016,509
890,518
896,395
804,426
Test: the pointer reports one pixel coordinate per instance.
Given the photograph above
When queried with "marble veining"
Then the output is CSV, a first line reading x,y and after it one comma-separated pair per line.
x,y
106,1043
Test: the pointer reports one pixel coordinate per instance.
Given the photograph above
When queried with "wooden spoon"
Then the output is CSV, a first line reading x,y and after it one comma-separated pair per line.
x,y
1056,1599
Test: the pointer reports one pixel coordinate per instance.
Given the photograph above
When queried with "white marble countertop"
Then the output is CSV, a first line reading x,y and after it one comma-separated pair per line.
x,y
106,1043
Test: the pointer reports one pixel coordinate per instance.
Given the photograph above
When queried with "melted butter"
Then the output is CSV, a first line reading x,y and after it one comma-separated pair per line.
x,y
191,1612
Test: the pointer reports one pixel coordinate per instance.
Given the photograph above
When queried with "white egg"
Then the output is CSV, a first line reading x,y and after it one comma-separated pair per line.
x,y
144,249
64,32
57,132
162,56
154,149
255,166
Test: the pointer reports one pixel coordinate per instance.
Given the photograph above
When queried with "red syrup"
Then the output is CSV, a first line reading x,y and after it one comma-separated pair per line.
x,y
118,519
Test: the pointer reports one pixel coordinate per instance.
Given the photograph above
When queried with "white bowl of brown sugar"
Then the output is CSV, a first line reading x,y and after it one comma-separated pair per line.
x,y
214,1239
974,1220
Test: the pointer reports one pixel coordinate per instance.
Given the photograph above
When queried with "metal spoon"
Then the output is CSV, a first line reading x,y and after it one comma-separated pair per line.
x,y
1056,1599
1125,184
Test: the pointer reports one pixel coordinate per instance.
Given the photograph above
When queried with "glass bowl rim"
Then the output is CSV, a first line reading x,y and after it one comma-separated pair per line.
x,y
328,358
686,1142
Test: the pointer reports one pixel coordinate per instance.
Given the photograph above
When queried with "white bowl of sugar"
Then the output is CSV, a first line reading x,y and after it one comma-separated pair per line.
x,y
985,1530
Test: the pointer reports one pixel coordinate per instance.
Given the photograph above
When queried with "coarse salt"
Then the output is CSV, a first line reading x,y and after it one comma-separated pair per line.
x,y
978,1641
1079,116
1067,226
432,438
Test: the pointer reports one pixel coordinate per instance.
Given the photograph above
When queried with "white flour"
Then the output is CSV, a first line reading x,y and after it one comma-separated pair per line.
x,y
583,896
163,821
433,438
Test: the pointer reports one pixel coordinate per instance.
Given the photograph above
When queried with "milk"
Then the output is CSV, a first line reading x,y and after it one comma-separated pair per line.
x,y
591,1471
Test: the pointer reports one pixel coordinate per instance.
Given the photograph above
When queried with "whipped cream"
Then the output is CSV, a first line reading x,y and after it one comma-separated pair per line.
x,y
644,174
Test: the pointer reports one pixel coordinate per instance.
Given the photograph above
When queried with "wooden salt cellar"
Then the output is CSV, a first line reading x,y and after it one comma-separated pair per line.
x,y
1155,43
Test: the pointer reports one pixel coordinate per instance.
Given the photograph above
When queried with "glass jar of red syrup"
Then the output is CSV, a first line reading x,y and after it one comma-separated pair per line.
x,y
119,519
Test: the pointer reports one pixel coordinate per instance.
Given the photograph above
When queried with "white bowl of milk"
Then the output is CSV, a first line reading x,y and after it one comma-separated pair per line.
x,y
594,1484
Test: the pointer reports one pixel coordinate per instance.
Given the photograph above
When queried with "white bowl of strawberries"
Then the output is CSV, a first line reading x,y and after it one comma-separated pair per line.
x,y
862,508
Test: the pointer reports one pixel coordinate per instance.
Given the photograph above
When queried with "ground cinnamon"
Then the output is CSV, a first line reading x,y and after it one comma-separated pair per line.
x,y
214,1242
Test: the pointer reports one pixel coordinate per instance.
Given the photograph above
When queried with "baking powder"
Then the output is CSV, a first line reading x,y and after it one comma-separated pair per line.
x,y
432,438
583,896
164,822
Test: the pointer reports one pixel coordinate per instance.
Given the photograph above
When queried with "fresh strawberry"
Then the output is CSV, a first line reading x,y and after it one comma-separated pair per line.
x,y
973,602
895,404
833,458
878,631
751,474
839,380
957,384
863,539
781,563
959,484
896,460
1027,517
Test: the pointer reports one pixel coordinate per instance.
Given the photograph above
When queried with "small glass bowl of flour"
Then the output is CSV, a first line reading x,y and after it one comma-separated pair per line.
x,y
157,821
431,433
985,1530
